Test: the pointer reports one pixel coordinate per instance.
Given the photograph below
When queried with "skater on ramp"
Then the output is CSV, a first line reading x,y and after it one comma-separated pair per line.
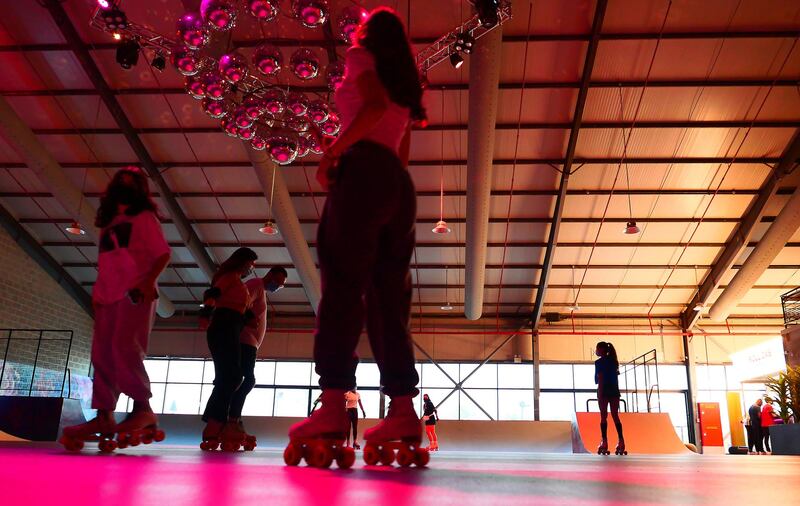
x,y
365,241
606,376
132,254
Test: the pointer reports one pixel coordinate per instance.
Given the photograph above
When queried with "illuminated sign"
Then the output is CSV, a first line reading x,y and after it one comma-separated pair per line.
x,y
761,360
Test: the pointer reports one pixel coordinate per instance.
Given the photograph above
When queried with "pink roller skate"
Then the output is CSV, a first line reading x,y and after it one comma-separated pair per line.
x,y
100,429
400,431
140,426
603,448
620,450
319,439
211,435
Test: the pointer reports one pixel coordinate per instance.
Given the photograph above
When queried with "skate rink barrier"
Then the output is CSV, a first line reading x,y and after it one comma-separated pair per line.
x,y
454,435
37,418
645,433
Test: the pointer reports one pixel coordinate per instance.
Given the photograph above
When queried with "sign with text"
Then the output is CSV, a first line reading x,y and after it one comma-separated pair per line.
x,y
763,359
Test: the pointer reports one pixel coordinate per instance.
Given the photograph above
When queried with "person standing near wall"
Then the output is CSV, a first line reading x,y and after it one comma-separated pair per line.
x,y
251,337
430,417
606,372
132,255
367,235
767,421
352,400
754,414
227,300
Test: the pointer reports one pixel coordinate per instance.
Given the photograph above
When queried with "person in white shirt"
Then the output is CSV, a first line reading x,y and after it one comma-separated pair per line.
x,y
352,401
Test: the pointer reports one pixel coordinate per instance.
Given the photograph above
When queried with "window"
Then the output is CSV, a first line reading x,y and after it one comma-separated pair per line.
x,y
182,399
259,402
433,377
291,402
368,375
185,371
556,406
156,370
555,376
484,377
293,373
486,399
515,375
515,404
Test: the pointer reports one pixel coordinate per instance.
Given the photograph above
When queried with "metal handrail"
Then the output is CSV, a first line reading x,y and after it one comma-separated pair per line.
x,y
622,401
650,395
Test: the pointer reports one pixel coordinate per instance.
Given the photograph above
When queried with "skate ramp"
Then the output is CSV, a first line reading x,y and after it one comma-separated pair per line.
x,y
5,437
38,418
645,433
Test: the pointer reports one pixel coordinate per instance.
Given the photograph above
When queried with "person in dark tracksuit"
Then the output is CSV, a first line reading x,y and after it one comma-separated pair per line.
x,y
606,372
430,417
755,444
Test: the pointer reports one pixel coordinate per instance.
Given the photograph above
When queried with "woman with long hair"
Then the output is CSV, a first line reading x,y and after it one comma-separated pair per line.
x,y
228,301
132,254
366,237
606,372
430,416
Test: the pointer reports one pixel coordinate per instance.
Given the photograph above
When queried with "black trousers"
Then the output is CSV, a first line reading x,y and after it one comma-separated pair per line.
x,y
352,413
247,362
765,436
223,343
365,242
754,438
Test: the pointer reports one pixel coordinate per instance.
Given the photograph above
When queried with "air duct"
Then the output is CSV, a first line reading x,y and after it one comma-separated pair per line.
x,y
484,81
782,229
288,223
24,142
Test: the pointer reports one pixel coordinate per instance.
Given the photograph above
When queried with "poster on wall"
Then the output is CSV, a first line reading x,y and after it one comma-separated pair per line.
x,y
759,361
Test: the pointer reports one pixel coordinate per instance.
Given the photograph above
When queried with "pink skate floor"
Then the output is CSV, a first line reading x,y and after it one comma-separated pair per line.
x,y
170,476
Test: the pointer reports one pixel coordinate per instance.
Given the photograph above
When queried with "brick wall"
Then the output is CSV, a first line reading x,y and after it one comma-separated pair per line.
x,y
31,299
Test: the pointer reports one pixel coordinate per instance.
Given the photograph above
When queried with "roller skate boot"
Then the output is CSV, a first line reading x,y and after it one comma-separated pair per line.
x,y
232,436
356,446
249,443
620,449
319,439
211,435
603,448
139,427
100,429
400,431
434,446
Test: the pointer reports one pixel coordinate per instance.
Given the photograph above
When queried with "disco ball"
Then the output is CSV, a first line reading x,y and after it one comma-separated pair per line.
x,y
241,118
233,67
274,101
330,127
313,144
192,31
215,86
334,75
298,124
303,146
219,14
311,13
254,106
350,19
264,10
195,87
258,143
214,108
305,64
297,103
229,127
268,59
185,61
247,134
318,111
281,148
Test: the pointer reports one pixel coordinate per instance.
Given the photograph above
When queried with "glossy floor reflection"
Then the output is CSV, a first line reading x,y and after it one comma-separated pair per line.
x,y
171,476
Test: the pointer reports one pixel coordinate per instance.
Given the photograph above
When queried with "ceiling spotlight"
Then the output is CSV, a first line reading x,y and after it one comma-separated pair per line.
x,y
159,62
103,4
446,307
441,228
699,307
488,12
456,60
75,228
464,42
269,228
128,54
114,18
631,228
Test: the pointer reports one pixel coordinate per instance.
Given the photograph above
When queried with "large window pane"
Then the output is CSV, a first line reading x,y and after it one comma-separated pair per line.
x,y
185,371
433,377
205,393
293,373
516,404
584,376
265,372
556,406
448,410
156,370
259,402
371,399
182,399
671,377
123,404
580,401
515,376
368,375
675,405
208,371
487,399
711,377
555,376
291,402
485,377
157,401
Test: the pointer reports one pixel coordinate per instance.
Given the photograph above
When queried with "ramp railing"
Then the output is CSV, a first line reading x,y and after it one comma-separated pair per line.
x,y
639,383
35,362
790,301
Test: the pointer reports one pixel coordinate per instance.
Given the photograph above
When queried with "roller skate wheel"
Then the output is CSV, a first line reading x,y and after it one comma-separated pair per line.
x,y
204,446
159,435
134,439
107,446
387,456
292,455
405,457
371,455
230,446
249,447
346,458
147,439
422,457
321,456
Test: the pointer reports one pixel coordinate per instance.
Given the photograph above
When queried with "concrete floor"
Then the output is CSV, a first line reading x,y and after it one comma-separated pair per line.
x,y
174,475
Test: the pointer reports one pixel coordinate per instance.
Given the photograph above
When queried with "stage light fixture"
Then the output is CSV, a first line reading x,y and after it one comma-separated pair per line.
x,y
464,42
128,54
456,60
103,4
114,18
269,228
441,228
159,62
488,12
631,228
75,228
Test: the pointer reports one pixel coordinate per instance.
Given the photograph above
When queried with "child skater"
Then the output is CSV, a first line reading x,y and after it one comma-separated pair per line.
x,y
132,254
606,372
229,301
366,237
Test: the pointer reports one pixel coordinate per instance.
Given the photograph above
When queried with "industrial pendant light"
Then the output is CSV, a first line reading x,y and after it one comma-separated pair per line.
x,y
699,306
447,306
75,228
441,225
574,306
270,228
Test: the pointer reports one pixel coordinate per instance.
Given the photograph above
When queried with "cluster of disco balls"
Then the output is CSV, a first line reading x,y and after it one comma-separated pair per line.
x,y
287,125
